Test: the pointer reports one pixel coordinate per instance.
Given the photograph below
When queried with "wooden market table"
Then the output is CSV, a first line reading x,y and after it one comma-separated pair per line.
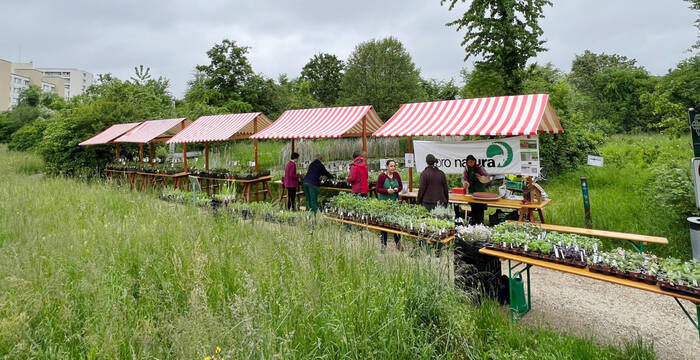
x,y
130,176
638,241
393,231
528,262
300,191
500,203
248,186
160,178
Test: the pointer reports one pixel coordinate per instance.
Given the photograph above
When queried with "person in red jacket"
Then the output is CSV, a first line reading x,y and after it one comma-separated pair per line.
x,y
291,181
358,175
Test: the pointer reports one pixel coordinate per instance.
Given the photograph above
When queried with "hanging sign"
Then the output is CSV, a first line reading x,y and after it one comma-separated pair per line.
x,y
409,160
513,155
595,160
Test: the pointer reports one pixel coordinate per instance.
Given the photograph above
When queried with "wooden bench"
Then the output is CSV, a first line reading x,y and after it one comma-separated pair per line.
x,y
638,241
529,262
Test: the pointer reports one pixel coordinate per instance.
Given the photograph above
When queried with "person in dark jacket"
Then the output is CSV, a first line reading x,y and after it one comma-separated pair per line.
x,y
358,175
433,185
474,179
291,181
312,181
388,188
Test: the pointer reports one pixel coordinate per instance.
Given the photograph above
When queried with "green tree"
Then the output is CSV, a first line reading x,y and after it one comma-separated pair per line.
x,y
485,80
141,74
505,33
586,67
33,104
228,70
111,101
324,73
439,89
295,94
381,73
695,5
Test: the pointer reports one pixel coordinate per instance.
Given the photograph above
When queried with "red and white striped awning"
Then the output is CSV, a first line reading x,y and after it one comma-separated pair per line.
x,y
221,127
503,115
332,122
153,130
110,134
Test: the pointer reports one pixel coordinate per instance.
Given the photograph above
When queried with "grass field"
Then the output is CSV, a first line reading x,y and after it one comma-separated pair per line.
x,y
88,270
620,194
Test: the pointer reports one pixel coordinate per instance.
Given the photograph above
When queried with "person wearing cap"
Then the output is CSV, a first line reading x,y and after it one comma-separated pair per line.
x,y
474,179
312,181
358,175
433,185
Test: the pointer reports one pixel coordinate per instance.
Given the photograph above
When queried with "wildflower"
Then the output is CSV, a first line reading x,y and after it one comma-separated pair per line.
x,y
218,350
207,358
330,247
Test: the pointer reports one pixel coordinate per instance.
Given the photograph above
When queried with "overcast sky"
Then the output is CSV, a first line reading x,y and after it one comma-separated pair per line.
x,y
113,37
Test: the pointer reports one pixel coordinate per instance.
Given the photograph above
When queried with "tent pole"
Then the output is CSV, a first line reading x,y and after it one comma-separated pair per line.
x,y
410,170
292,144
141,154
206,156
184,155
255,143
364,134
151,155
118,152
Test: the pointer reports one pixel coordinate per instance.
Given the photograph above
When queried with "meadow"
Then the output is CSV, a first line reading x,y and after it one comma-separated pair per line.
x,y
91,270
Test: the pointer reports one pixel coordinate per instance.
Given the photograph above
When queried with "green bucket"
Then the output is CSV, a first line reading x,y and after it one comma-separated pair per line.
x,y
518,303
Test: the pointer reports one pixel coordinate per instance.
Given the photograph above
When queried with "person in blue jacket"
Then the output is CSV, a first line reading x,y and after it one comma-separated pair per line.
x,y
312,181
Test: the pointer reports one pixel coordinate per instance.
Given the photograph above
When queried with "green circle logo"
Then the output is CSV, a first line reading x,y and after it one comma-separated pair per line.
x,y
501,153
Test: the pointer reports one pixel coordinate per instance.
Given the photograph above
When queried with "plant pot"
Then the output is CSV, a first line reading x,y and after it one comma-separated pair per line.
x,y
579,264
618,273
649,279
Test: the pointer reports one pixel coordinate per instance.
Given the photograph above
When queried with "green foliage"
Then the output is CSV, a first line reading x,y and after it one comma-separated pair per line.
x,y
671,187
228,70
504,33
484,81
585,69
295,94
437,90
28,136
381,73
324,72
32,104
695,5
111,101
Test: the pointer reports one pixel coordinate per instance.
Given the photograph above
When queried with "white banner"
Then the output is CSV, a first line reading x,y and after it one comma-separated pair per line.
x,y
513,155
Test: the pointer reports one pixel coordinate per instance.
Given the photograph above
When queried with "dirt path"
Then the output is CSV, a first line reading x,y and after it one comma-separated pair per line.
x,y
611,313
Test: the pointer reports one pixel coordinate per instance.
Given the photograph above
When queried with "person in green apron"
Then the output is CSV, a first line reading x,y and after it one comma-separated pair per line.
x,y
388,187
474,179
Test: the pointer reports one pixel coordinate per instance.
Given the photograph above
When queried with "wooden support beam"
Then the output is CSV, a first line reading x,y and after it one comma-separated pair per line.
x,y
292,144
206,156
118,152
364,134
184,155
255,145
410,170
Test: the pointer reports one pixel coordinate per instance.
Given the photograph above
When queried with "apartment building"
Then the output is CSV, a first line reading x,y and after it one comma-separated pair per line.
x,y
76,80
15,77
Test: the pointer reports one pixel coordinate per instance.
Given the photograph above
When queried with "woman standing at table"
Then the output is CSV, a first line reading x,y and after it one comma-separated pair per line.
x,y
291,181
474,179
388,187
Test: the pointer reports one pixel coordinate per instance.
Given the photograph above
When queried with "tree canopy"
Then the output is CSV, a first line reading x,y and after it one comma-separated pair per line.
x,y
324,73
381,73
505,33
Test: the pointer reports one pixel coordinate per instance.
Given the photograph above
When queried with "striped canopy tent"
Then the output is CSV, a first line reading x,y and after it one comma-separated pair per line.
x,y
502,115
225,127
108,136
331,122
150,132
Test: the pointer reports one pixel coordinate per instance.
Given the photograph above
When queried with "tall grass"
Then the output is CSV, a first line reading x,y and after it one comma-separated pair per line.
x,y
620,194
96,271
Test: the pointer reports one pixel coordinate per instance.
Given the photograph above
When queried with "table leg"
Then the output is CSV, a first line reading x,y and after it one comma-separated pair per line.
x,y
539,211
255,189
695,323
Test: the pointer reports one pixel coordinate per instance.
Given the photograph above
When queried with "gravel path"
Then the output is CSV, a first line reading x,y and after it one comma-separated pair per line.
x,y
611,313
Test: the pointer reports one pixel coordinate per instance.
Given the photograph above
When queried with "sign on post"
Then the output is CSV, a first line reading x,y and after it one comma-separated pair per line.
x,y
595,160
695,168
694,120
409,160
586,202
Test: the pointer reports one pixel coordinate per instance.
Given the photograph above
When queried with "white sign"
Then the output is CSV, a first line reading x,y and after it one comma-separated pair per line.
x,y
251,163
382,164
696,179
409,160
513,155
595,160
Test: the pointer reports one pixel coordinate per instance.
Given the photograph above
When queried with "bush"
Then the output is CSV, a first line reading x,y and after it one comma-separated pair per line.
x,y
28,136
564,152
672,189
